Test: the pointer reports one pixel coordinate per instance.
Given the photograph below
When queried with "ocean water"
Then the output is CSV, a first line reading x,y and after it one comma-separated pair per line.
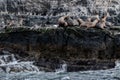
x,y
112,74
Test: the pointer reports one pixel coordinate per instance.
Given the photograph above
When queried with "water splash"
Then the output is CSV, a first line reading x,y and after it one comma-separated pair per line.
x,y
62,69
66,78
11,65
117,64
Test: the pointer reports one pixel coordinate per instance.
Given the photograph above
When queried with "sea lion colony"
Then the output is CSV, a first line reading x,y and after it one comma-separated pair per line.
x,y
64,21
90,22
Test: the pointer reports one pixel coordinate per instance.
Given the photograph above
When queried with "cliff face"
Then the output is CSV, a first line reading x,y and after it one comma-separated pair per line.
x,y
81,49
44,7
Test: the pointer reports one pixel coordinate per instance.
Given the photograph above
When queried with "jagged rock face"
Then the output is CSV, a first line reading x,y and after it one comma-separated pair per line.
x,y
60,7
53,9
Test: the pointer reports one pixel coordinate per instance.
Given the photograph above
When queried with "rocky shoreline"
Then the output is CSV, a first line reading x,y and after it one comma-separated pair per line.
x,y
79,48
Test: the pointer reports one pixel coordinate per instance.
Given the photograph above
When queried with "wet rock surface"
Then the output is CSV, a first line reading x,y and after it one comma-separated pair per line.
x,y
80,49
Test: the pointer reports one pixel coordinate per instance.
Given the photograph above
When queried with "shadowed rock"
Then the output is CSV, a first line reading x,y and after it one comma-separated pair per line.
x,y
79,48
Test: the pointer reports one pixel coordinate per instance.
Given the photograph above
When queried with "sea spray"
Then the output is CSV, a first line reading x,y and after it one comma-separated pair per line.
x,y
62,69
11,65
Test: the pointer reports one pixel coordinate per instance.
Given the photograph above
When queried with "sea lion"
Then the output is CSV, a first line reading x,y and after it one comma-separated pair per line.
x,y
80,21
62,22
102,21
88,19
75,22
70,21
88,23
65,21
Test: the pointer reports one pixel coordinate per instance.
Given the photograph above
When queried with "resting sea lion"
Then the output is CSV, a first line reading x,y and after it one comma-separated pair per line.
x,y
70,21
88,23
65,21
80,21
62,22
88,19
102,21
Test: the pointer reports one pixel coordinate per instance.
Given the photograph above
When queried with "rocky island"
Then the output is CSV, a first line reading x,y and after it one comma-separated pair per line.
x,y
29,31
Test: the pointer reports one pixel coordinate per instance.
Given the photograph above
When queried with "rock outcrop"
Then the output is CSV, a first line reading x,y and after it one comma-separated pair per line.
x,y
81,49
51,10
56,7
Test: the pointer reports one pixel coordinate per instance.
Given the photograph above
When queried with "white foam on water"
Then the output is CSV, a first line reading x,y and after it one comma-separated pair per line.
x,y
66,78
11,64
62,69
117,64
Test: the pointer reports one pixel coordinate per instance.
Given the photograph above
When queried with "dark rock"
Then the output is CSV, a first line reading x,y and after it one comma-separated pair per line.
x,y
96,66
117,45
112,11
79,48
